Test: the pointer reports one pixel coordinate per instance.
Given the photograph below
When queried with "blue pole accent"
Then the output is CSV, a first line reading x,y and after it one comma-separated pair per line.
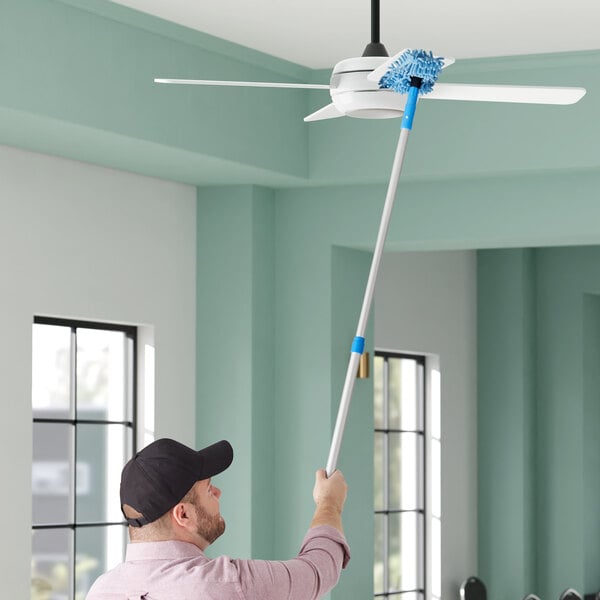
x,y
358,345
410,107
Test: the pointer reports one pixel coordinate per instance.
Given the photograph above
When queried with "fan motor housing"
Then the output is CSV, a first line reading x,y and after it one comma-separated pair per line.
x,y
355,96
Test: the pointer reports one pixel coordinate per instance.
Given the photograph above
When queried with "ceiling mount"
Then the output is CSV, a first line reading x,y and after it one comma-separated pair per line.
x,y
375,47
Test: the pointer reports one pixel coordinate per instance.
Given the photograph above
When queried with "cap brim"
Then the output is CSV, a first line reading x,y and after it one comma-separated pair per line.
x,y
216,457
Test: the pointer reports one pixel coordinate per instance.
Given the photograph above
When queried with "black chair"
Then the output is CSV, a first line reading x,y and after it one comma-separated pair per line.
x,y
473,589
570,594
531,597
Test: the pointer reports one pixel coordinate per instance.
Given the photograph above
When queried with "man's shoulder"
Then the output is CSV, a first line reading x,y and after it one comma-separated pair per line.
x,y
105,586
161,575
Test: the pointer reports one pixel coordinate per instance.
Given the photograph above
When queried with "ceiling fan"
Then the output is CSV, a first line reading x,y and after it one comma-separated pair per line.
x,y
355,89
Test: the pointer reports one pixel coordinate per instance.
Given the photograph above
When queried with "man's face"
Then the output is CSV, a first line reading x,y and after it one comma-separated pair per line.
x,y
209,522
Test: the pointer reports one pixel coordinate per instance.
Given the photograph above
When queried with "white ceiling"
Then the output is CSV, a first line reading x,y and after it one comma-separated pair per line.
x,y
319,33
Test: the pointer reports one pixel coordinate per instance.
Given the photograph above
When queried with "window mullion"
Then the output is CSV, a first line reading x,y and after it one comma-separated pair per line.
x,y
386,481
73,498
73,375
422,478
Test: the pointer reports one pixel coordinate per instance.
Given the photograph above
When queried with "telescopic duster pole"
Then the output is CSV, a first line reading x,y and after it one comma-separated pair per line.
x,y
359,341
411,84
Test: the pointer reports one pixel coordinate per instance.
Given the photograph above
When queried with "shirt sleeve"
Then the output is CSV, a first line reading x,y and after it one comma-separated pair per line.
x,y
315,570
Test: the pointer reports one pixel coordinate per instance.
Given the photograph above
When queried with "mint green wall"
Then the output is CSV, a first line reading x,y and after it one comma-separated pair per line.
x,y
235,355
538,413
85,69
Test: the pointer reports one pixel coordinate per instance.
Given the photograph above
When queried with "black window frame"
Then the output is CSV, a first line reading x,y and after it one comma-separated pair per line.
x,y
422,432
131,333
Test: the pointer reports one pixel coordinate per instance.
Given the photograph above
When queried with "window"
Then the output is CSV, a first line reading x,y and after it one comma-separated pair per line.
x,y
83,401
406,467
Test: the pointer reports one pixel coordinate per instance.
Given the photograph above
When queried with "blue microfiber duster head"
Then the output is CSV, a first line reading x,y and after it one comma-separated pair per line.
x,y
410,64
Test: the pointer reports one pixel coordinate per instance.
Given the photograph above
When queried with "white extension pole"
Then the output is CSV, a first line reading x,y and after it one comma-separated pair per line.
x,y
340,424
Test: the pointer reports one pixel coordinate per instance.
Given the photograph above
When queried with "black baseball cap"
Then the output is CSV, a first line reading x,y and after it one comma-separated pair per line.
x,y
161,474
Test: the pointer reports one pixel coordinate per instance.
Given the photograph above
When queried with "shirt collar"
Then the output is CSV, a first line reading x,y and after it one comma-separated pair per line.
x,y
164,550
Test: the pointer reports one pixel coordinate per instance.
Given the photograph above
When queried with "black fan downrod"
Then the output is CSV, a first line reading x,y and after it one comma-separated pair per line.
x,y
375,47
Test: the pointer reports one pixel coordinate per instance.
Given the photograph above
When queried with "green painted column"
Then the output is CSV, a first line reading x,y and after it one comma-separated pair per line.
x,y
506,426
591,448
563,276
263,361
235,356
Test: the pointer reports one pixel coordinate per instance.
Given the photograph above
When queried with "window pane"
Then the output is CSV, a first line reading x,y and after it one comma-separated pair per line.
x,y
378,391
102,383
379,564
102,451
52,473
51,550
436,558
405,478
148,396
51,359
98,550
404,397
378,464
404,551
436,424
406,596
436,478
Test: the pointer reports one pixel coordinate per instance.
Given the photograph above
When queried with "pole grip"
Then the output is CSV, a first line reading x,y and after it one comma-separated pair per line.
x,y
340,424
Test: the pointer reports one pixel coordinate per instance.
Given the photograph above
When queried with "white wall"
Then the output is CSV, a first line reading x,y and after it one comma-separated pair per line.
x,y
426,302
89,243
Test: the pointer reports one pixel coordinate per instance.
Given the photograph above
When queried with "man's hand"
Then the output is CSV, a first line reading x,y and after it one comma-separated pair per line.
x,y
330,491
329,495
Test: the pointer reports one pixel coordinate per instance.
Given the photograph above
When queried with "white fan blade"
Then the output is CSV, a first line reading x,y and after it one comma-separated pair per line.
x,y
381,70
327,112
524,94
308,86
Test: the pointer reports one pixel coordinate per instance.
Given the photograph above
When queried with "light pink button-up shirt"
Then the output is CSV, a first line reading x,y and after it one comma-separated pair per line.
x,y
181,571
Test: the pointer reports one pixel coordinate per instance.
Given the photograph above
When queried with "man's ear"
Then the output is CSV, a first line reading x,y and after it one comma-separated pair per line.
x,y
180,513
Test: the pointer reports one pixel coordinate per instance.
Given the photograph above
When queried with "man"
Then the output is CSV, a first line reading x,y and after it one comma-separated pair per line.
x,y
172,509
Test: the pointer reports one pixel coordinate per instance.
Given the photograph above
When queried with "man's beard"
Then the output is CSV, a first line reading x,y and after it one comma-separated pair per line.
x,y
210,527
